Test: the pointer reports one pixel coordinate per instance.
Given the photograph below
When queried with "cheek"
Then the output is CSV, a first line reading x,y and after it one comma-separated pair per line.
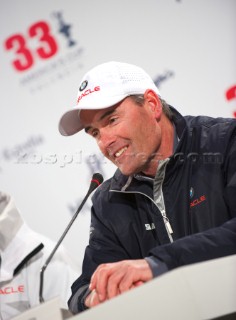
x,y
102,149
145,132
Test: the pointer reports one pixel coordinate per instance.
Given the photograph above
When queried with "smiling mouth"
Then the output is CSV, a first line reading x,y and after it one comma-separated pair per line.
x,y
120,152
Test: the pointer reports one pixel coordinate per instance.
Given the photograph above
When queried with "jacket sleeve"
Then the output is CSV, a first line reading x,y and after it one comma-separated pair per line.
x,y
213,243
103,247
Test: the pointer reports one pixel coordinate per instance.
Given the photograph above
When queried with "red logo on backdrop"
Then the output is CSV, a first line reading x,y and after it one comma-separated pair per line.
x,y
20,44
230,95
31,49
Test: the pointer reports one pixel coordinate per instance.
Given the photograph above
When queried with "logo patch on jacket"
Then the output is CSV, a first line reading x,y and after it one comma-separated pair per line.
x,y
91,230
150,226
197,201
11,289
191,192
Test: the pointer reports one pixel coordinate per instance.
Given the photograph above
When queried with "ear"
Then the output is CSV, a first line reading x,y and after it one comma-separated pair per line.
x,y
154,103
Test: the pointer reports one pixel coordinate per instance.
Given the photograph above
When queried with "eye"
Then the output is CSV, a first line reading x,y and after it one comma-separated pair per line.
x,y
94,133
112,120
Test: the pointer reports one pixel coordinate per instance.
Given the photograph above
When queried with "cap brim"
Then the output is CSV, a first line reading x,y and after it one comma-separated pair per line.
x,y
70,123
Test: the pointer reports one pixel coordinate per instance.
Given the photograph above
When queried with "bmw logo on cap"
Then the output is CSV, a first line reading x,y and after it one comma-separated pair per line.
x,y
83,85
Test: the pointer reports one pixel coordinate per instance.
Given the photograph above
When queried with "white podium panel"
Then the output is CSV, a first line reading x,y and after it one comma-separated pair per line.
x,y
49,310
201,291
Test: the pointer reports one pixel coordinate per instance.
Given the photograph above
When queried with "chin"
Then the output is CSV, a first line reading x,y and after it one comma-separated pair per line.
x,y
127,171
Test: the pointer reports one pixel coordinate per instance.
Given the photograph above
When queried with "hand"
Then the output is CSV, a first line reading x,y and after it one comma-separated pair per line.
x,y
92,299
112,279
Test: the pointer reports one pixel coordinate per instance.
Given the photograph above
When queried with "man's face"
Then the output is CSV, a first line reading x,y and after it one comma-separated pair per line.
x,y
127,134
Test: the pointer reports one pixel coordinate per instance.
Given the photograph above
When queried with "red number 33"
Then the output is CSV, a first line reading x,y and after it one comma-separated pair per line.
x,y
47,46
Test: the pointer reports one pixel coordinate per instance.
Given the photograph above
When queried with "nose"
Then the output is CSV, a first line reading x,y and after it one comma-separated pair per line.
x,y
106,139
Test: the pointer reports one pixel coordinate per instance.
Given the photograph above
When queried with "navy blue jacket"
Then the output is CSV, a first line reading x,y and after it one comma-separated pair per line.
x,y
199,192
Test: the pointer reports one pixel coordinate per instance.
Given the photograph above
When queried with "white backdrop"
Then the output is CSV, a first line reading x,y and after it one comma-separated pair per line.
x,y
187,46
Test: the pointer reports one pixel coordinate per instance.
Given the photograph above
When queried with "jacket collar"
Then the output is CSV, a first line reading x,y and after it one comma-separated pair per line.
x,y
18,241
179,122
10,220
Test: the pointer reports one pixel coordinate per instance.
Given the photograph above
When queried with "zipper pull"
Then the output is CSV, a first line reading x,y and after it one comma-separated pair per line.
x,y
167,222
168,226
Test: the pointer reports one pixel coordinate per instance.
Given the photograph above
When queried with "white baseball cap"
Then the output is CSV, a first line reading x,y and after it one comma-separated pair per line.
x,y
104,86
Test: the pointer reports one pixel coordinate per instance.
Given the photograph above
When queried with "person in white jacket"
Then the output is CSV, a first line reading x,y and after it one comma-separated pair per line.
x,y
23,252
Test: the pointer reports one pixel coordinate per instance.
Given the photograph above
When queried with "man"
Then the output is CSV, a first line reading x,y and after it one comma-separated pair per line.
x,y
172,200
23,252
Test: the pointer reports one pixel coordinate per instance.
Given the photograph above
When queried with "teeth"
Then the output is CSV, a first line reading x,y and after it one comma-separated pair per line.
x,y
119,153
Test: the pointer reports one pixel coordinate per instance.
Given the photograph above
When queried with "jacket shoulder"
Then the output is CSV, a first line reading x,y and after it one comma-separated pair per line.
x,y
116,182
206,121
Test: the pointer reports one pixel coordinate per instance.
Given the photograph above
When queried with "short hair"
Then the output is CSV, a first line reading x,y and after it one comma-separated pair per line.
x,y
139,100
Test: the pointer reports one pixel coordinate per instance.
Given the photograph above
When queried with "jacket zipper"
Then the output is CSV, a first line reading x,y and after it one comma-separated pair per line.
x,y
168,227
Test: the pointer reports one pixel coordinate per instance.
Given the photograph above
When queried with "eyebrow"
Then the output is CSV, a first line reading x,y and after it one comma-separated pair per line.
x,y
104,115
